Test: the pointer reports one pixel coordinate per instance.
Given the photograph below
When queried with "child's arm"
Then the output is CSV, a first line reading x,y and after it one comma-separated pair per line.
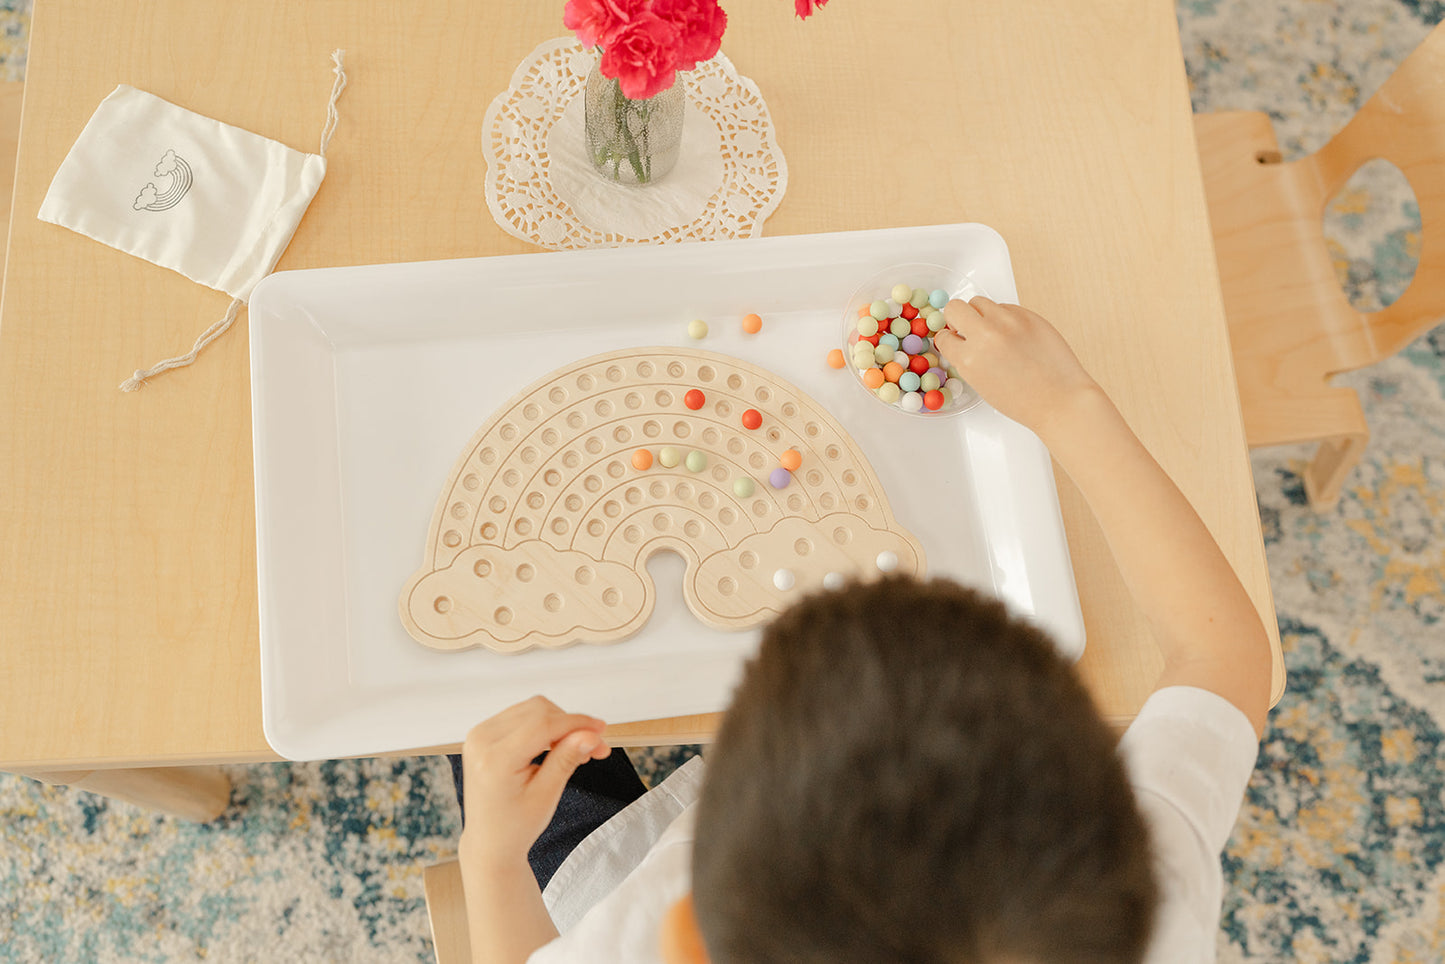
x,y
1203,620
509,801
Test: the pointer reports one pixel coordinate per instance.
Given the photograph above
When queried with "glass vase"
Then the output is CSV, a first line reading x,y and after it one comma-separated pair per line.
x,y
632,141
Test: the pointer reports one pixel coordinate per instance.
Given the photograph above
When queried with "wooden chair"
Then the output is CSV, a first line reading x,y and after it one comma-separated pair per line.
x,y
1290,324
446,909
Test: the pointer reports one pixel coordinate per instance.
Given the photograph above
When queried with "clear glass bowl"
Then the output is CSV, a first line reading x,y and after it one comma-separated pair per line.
x,y
929,277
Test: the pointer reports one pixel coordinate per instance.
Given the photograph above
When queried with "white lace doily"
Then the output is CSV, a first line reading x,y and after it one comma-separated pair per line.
x,y
541,187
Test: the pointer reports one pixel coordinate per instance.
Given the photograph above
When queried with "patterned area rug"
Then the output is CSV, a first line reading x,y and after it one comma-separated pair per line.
x,y
1338,852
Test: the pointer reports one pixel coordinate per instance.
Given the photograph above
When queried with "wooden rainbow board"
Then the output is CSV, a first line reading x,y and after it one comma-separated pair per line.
x,y
542,532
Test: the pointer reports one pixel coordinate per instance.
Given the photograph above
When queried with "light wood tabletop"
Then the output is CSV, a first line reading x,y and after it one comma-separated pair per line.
x,y
129,635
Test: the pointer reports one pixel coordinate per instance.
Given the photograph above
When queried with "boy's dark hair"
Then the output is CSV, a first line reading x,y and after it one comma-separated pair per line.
x,y
907,774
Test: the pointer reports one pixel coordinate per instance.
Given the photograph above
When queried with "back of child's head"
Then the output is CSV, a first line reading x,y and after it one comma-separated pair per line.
x,y
907,774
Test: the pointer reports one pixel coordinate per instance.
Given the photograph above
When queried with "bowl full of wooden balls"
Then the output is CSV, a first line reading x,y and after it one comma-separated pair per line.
x,y
888,330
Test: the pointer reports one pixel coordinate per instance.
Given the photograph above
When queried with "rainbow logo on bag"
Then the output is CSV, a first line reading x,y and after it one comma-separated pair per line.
x,y
173,166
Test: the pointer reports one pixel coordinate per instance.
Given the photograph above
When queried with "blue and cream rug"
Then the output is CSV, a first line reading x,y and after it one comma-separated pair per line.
x,y
1338,851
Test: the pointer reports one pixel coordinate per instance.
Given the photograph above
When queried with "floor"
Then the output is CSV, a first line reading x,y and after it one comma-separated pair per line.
x,y
1338,851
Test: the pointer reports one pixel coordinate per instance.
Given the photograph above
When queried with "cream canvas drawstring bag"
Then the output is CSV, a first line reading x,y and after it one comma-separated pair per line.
x,y
212,201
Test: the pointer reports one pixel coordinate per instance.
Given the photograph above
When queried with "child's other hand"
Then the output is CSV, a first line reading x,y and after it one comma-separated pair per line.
x,y
509,799
1014,358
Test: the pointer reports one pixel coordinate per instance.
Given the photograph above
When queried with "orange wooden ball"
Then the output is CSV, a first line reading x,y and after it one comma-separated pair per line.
x,y
642,460
835,357
790,460
892,371
873,377
752,324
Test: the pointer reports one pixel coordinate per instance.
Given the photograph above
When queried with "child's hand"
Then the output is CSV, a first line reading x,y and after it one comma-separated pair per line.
x,y
1014,358
509,799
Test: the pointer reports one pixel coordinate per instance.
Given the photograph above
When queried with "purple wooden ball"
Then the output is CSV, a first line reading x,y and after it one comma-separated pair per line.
x,y
780,478
912,344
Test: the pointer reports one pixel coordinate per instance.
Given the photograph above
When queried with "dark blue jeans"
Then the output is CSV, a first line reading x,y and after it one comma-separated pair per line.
x,y
597,791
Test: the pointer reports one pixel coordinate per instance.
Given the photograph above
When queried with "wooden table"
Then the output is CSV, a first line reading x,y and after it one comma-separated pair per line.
x,y
127,543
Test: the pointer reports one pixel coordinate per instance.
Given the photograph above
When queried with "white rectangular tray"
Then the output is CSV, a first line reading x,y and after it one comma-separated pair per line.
x,y
367,382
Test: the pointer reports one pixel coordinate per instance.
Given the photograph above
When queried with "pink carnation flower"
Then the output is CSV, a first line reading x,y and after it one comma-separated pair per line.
x,y
600,21
805,8
643,57
700,25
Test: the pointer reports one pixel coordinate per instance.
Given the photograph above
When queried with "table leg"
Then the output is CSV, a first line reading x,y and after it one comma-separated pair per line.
x,y
191,793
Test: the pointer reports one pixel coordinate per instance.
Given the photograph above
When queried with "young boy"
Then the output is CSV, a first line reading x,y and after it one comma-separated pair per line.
x,y
908,774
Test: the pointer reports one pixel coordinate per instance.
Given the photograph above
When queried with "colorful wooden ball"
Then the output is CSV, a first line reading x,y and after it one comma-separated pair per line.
x,y
910,401
933,401
909,312
901,293
791,460
668,457
694,399
752,418
918,364
873,377
836,359
696,461
863,312
920,327
867,325
697,329
892,371
743,487
752,324
938,298
912,344
779,478
900,327
642,460
909,382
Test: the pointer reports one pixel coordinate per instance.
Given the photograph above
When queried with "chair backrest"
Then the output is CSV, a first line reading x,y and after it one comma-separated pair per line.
x,y
446,909
1403,123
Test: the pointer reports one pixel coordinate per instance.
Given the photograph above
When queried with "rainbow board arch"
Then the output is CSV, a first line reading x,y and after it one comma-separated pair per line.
x,y
542,532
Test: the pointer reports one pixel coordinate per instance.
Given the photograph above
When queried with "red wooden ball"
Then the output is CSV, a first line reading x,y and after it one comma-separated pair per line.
x,y
752,418
694,399
920,328
933,400
910,313
917,364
